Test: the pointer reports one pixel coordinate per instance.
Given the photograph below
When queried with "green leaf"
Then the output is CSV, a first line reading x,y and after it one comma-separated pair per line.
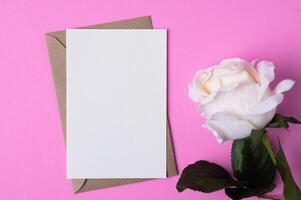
x,y
291,190
280,121
206,177
239,193
292,120
251,161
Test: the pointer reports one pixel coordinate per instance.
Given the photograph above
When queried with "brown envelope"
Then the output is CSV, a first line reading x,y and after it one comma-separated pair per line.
x,y
56,42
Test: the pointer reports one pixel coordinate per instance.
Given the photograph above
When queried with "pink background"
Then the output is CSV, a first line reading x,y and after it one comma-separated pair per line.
x,y
201,33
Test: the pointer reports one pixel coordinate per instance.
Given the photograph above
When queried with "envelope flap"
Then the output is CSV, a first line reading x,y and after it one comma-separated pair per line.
x,y
78,184
60,36
137,23
57,55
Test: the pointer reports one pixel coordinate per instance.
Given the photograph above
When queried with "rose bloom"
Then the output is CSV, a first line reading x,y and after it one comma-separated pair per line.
x,y
235,97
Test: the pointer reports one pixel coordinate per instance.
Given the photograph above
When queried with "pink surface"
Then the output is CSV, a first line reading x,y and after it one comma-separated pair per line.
x,y
201,33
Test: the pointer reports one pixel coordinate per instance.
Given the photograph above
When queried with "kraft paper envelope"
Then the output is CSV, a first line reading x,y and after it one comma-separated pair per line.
x,y
56,42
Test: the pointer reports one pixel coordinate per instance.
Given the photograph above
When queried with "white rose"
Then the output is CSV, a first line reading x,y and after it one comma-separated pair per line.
x,y
235,97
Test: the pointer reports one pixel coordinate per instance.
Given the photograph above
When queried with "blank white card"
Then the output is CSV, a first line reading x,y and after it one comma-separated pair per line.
x,y
116,103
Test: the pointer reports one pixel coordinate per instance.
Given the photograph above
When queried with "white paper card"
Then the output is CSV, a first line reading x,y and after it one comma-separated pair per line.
x,y
116,103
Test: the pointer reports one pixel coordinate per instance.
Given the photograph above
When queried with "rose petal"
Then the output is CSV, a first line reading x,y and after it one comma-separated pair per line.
x,y
219,138
267,75
283,86
234,99
232,60
227,127
227,88
266,105
195,90
260,121
252,70
272,102
195,93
